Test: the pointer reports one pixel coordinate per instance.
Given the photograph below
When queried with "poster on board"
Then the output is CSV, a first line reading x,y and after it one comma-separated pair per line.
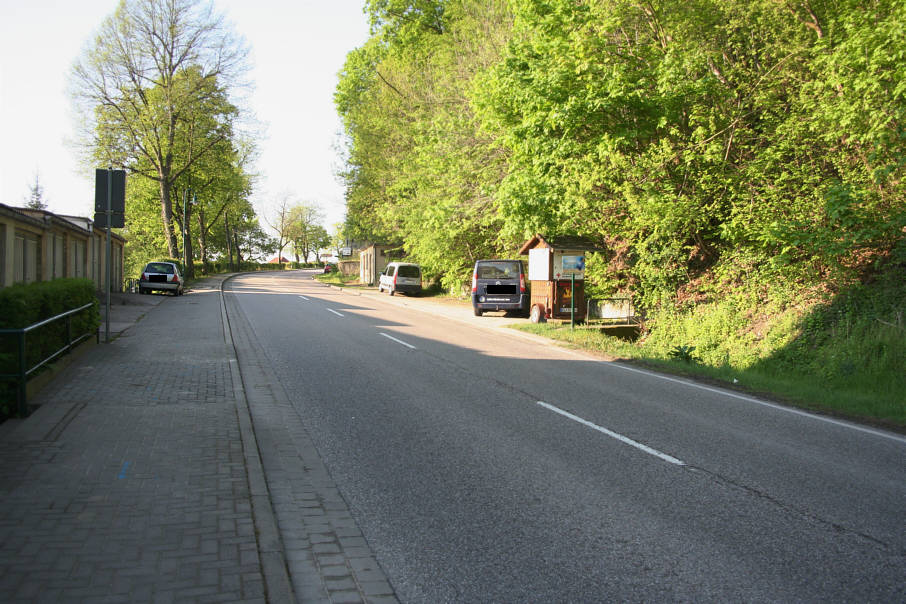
x,y
569,263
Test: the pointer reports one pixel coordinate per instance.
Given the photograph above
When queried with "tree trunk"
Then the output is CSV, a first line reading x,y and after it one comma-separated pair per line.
x,y
238,250
166,214
229,240
202,241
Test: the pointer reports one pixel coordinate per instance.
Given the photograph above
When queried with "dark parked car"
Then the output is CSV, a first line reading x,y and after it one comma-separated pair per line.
x,y
499,285
161,276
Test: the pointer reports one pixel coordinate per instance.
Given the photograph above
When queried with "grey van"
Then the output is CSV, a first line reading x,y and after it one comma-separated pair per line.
x,y
499,285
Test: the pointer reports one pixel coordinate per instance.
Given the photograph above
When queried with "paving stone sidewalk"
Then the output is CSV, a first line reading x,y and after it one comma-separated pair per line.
x,y
129,483
139,479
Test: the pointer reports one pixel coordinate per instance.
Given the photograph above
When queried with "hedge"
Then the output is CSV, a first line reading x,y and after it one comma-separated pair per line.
x,y
22,305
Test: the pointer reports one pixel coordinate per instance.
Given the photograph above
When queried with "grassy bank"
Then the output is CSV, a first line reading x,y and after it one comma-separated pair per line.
x,y
845,355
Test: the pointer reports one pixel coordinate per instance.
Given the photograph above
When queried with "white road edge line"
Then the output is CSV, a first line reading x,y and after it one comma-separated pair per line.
x,y
398,341
749,399
334,312
610,433
303,297
742,397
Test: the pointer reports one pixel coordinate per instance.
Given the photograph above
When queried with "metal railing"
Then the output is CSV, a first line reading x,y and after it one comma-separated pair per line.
x,y
23,373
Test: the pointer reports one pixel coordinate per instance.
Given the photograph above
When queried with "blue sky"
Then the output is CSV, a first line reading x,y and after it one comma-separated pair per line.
x,y
297,48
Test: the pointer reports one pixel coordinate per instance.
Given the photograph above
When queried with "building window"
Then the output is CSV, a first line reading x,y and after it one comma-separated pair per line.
x,y
19,260
31,260
57,256
77,257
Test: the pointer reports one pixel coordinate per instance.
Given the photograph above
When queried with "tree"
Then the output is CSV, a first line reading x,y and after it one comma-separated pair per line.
x,y
281,224
419,170
152,91
305,230
35,199
337,238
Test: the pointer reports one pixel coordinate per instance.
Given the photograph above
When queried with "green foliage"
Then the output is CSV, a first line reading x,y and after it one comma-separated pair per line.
x,y
155,100
23,305
740,161
684,353
305,231
419,171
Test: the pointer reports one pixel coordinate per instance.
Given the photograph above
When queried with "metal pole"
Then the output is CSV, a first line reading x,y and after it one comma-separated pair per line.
x,y
185,201
109,214
22,391
572,301
192,272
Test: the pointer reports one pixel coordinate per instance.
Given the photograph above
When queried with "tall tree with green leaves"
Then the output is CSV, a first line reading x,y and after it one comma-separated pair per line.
x,y
419,171
713,136
157,72
306,231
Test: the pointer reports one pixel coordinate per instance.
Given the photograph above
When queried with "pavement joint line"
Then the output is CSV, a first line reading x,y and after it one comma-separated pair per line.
x,y
271,552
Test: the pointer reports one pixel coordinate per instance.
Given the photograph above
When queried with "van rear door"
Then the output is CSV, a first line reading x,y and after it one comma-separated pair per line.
x,y
498,281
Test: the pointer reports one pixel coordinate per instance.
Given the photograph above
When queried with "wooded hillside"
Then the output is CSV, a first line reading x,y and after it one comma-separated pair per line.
x,y
741,161
714,140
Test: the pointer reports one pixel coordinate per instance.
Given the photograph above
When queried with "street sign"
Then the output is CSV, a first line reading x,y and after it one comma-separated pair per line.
x,y
112,183
117,221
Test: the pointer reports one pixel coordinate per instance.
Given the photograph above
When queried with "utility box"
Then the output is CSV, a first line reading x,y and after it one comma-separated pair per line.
x,y
557,276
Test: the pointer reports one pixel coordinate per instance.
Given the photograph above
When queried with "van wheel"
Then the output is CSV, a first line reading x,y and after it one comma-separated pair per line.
x,y
391,292
380,289
477,310
537,314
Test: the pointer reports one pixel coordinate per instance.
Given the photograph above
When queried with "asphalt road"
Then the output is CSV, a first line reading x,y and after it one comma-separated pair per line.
x,y
483,466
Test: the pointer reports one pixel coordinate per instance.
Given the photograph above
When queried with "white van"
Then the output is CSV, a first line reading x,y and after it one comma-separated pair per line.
x,y
401,277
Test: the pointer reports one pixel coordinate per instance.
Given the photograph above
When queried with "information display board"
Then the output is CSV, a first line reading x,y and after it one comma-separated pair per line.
x,y
569,263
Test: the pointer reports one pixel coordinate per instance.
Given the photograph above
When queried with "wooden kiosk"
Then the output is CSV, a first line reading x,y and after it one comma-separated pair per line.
x,y
557,275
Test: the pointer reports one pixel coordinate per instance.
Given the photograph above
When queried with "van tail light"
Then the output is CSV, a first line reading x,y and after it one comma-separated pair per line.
x,y
521,284
474,283
172,278
394,280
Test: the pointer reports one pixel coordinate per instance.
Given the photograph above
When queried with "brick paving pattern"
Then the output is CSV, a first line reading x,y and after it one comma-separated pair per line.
x,y
138,479
129,483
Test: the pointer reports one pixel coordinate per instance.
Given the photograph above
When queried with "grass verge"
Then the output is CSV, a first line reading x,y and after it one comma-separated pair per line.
x,y
862,398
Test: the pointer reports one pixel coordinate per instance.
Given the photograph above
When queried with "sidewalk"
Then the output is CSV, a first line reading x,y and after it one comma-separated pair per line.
x,y
138,478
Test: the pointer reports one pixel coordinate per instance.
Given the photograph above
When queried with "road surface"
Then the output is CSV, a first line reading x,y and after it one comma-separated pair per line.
x,y
484,466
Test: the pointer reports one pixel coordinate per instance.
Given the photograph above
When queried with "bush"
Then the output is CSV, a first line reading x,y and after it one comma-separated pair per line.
x,y
22,305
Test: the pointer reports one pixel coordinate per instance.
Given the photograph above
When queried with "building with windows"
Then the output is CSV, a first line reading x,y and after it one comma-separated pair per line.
x,y
36,245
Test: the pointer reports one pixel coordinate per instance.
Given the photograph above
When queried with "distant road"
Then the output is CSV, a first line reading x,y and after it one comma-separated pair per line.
x,y
483,466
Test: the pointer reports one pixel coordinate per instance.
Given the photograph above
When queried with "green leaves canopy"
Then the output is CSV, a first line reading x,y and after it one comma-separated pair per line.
x,y
695,140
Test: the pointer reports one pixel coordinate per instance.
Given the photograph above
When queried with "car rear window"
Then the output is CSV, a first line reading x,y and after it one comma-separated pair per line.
x,y
159,267
498,270
410,272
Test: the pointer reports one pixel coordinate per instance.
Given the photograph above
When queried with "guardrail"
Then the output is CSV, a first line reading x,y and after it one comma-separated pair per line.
x,y
23,373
